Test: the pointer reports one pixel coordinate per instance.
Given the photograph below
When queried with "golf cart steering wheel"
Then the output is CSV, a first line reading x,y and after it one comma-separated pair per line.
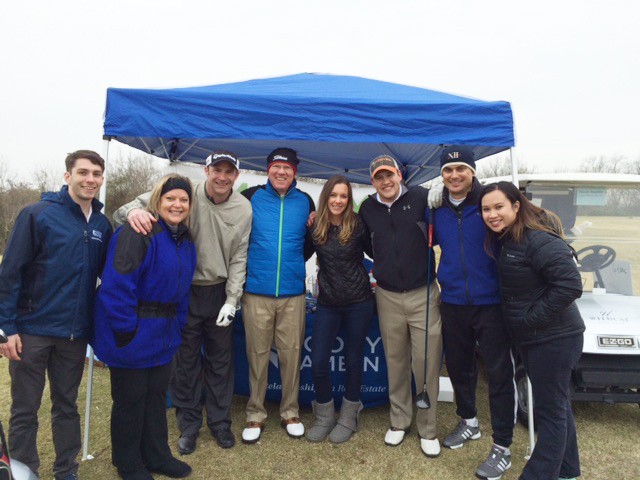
x,y
593,259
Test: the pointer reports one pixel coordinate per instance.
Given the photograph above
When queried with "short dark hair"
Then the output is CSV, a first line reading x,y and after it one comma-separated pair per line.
x,y
90,155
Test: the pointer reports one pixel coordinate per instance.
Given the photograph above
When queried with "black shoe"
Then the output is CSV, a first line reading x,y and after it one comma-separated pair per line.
x,y
224,437
186,445
173,468
135,475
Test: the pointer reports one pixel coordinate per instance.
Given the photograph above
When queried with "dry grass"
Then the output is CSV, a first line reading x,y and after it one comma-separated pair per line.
x,y
608,436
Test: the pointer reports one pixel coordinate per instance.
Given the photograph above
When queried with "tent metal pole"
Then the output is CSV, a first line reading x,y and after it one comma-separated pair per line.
x,y
532,437
87,410
532,434
514,168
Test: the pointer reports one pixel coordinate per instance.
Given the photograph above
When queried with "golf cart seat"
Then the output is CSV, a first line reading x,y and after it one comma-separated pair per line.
x,y
617,277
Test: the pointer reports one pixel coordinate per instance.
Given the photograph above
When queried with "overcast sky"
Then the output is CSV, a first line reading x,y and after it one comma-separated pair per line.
x,y
571,69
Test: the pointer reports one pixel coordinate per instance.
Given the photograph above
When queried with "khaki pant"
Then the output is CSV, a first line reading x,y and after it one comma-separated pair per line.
x,y
269,321
403,317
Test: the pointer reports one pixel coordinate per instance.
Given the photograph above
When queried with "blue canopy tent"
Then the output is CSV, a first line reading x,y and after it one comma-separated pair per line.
x,y
337,124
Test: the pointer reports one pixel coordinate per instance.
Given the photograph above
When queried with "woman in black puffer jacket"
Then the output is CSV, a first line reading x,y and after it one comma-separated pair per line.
x,y
344,300
539,282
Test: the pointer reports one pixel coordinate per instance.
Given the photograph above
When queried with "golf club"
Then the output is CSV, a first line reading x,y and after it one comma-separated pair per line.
x,y
422,401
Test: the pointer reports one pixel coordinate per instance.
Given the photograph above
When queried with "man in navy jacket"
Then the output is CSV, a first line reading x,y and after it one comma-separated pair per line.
x,y
47,284
471,312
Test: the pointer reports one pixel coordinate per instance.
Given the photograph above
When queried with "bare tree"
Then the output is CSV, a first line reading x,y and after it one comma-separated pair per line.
x,y
48,179
605,164
14,196
129,177
500,167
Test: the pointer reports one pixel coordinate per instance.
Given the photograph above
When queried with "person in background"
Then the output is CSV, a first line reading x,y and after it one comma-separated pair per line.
x,y
140,311
539,283
47,284
394,219
273,303
345,300
220,224
471,312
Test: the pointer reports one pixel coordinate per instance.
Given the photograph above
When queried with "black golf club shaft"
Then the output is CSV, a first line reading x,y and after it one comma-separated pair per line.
x,y
423,399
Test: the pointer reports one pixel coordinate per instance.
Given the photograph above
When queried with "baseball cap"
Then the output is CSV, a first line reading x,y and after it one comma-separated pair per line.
x,y
383,162
222,156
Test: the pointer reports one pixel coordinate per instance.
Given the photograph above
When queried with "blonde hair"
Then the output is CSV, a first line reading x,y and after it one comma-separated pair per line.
x,y
156,193
322,223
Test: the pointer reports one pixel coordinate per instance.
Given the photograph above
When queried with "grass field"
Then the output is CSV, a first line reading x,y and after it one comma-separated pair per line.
x,y
608,437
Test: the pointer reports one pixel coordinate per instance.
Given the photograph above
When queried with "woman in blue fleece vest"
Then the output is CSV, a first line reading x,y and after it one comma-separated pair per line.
x,y
140,311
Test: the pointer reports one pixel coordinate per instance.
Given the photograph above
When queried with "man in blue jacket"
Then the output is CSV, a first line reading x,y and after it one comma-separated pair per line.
x,y
471,312
273,304
47,284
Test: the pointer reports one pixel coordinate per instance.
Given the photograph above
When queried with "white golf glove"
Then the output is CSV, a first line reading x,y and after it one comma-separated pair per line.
x,y
226,315
436,186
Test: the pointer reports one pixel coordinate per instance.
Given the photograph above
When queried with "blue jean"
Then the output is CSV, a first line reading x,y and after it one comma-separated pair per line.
x,y
355,319
549,367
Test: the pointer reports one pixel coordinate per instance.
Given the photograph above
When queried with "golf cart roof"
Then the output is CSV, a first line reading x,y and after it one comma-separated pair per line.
x,y
572,179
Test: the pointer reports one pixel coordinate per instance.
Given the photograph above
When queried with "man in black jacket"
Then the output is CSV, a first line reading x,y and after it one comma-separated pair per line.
x,y
394,218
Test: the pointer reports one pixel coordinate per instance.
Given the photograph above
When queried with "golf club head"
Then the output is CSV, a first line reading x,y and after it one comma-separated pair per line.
x,y
422,401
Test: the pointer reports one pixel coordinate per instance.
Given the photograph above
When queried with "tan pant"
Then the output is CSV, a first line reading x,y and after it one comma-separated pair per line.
x,y
403,317
269,321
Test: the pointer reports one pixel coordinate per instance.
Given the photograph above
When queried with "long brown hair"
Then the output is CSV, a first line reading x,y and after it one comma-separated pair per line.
x,y
322,223
529,215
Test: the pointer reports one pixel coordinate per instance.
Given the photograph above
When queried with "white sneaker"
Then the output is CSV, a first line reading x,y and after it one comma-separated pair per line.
x,y
293,426
394,437
251,434
431,448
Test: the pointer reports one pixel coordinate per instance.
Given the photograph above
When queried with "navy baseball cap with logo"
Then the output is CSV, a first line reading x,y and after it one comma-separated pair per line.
x,y
222,156
454,155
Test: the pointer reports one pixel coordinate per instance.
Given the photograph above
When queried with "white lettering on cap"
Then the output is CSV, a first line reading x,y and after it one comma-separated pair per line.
x,y
223,155
280,157
453,155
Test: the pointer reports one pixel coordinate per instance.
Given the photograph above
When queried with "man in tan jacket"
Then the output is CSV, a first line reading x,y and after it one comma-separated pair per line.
x,y
220,223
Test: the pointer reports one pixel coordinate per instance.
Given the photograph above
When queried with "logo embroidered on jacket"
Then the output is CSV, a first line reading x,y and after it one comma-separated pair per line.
x,y
406,207
96,235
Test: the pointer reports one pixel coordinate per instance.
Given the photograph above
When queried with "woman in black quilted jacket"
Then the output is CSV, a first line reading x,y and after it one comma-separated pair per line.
x,y
344,300
539,283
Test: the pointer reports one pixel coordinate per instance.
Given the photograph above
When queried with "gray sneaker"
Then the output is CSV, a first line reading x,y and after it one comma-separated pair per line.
x,y
495,465
461,434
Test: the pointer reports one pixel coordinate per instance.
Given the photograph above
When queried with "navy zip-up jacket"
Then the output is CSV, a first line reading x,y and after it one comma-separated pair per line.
x,y
50,267
466,273
142,302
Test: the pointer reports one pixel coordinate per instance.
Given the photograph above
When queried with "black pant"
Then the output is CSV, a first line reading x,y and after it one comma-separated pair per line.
x,y
549,367
63,360
462,327
214,372
139,434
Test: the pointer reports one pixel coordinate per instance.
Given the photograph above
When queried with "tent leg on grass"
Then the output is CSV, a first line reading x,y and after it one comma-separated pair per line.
x,y
87,410
532,433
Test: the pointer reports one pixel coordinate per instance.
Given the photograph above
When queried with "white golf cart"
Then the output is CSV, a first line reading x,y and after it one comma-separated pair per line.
x,y
600,214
